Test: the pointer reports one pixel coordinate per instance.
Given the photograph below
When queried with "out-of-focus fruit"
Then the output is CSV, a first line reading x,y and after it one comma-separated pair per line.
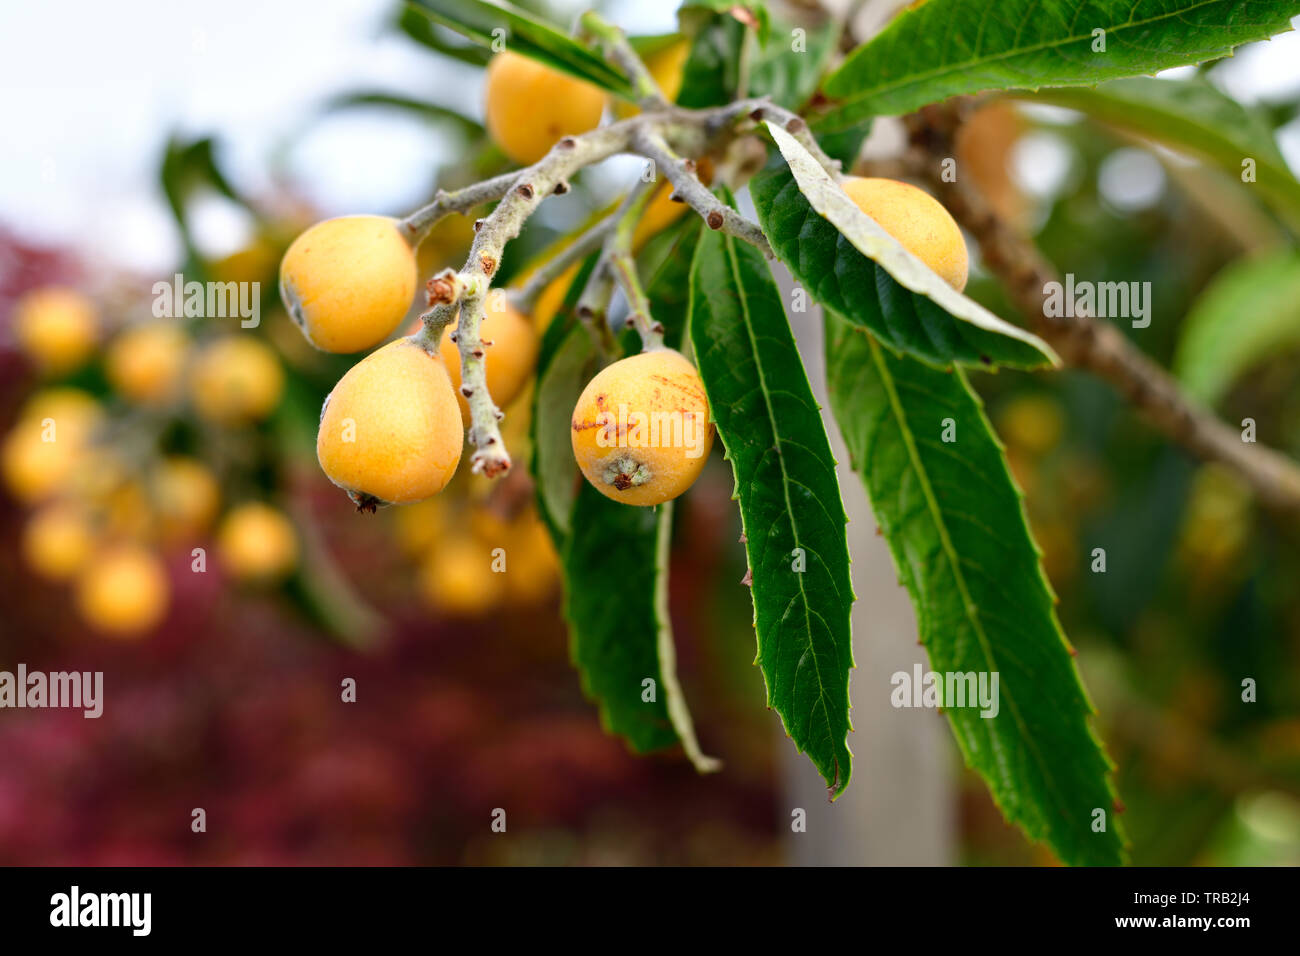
x,y
146,363
257,543
123,591
457,579
237,380
186,497
56,327
58,540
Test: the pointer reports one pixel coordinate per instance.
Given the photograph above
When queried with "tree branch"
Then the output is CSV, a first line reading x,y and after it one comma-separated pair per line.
x,y
1084,342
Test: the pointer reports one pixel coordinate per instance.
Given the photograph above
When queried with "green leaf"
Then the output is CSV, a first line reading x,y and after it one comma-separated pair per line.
x,y
406,104
791,76
619,633
753,15
527,35
850,264
711,74
950,47
1250,311
565,364
422,30
1191,115
956,526
790,504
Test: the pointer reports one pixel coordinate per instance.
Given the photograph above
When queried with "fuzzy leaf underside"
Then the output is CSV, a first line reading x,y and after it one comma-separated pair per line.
x,y
769,424
850,264
949,47
956,525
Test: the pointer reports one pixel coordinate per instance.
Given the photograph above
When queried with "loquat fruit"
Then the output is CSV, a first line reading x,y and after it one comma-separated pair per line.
x,y
236,380
531,106
123,591
48,446
56,327
58,540
390,431
918,221
640,430
257,543
456,578
146,363
185,496
348,282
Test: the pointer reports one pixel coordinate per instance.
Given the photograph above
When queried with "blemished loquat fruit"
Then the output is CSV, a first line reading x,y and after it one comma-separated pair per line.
x,y
58,541
508,362
349,282
123,591
146,363
641,432
456,578
56,327
531,106
185,497
918,221
236,380
390,431
257,543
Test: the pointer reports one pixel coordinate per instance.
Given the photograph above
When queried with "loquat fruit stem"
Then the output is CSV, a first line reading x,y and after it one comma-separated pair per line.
x,y
614,42
620,263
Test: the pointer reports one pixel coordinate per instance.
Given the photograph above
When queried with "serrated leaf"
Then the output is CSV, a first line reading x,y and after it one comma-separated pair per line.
x,y
956,526
850,264
949,47
768,421
526,34
1191,115
1250,311
615,563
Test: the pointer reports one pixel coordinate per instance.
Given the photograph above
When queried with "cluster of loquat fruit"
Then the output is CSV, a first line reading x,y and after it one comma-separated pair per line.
x,y
108,498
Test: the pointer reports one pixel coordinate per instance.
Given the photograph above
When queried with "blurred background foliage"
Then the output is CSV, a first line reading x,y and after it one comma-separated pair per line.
x,y
224,686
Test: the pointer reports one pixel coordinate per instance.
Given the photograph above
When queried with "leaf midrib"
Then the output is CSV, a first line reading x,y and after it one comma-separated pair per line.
x,y
951,555
733,266
1018,51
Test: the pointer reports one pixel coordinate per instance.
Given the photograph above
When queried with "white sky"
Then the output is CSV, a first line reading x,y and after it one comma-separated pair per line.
x,y
90,90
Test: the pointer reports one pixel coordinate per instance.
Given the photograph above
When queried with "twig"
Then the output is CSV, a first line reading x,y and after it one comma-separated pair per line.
x,y
616,47
1086,343
619,261
417,225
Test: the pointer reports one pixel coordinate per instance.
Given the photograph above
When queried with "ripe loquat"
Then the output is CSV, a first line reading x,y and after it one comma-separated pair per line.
x,y
236,380
918,221
257,543
146,363
185,496
390,431
531,106
123,591
58,540
349,282
641,430
56,327
456,578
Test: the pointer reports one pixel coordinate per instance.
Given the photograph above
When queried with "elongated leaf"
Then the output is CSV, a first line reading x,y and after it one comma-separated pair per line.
x,y
422,30
565,363
1191,115
619,634
406,104
711,74
850,264
957,528
790,503
1250,311
527,34
948,47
